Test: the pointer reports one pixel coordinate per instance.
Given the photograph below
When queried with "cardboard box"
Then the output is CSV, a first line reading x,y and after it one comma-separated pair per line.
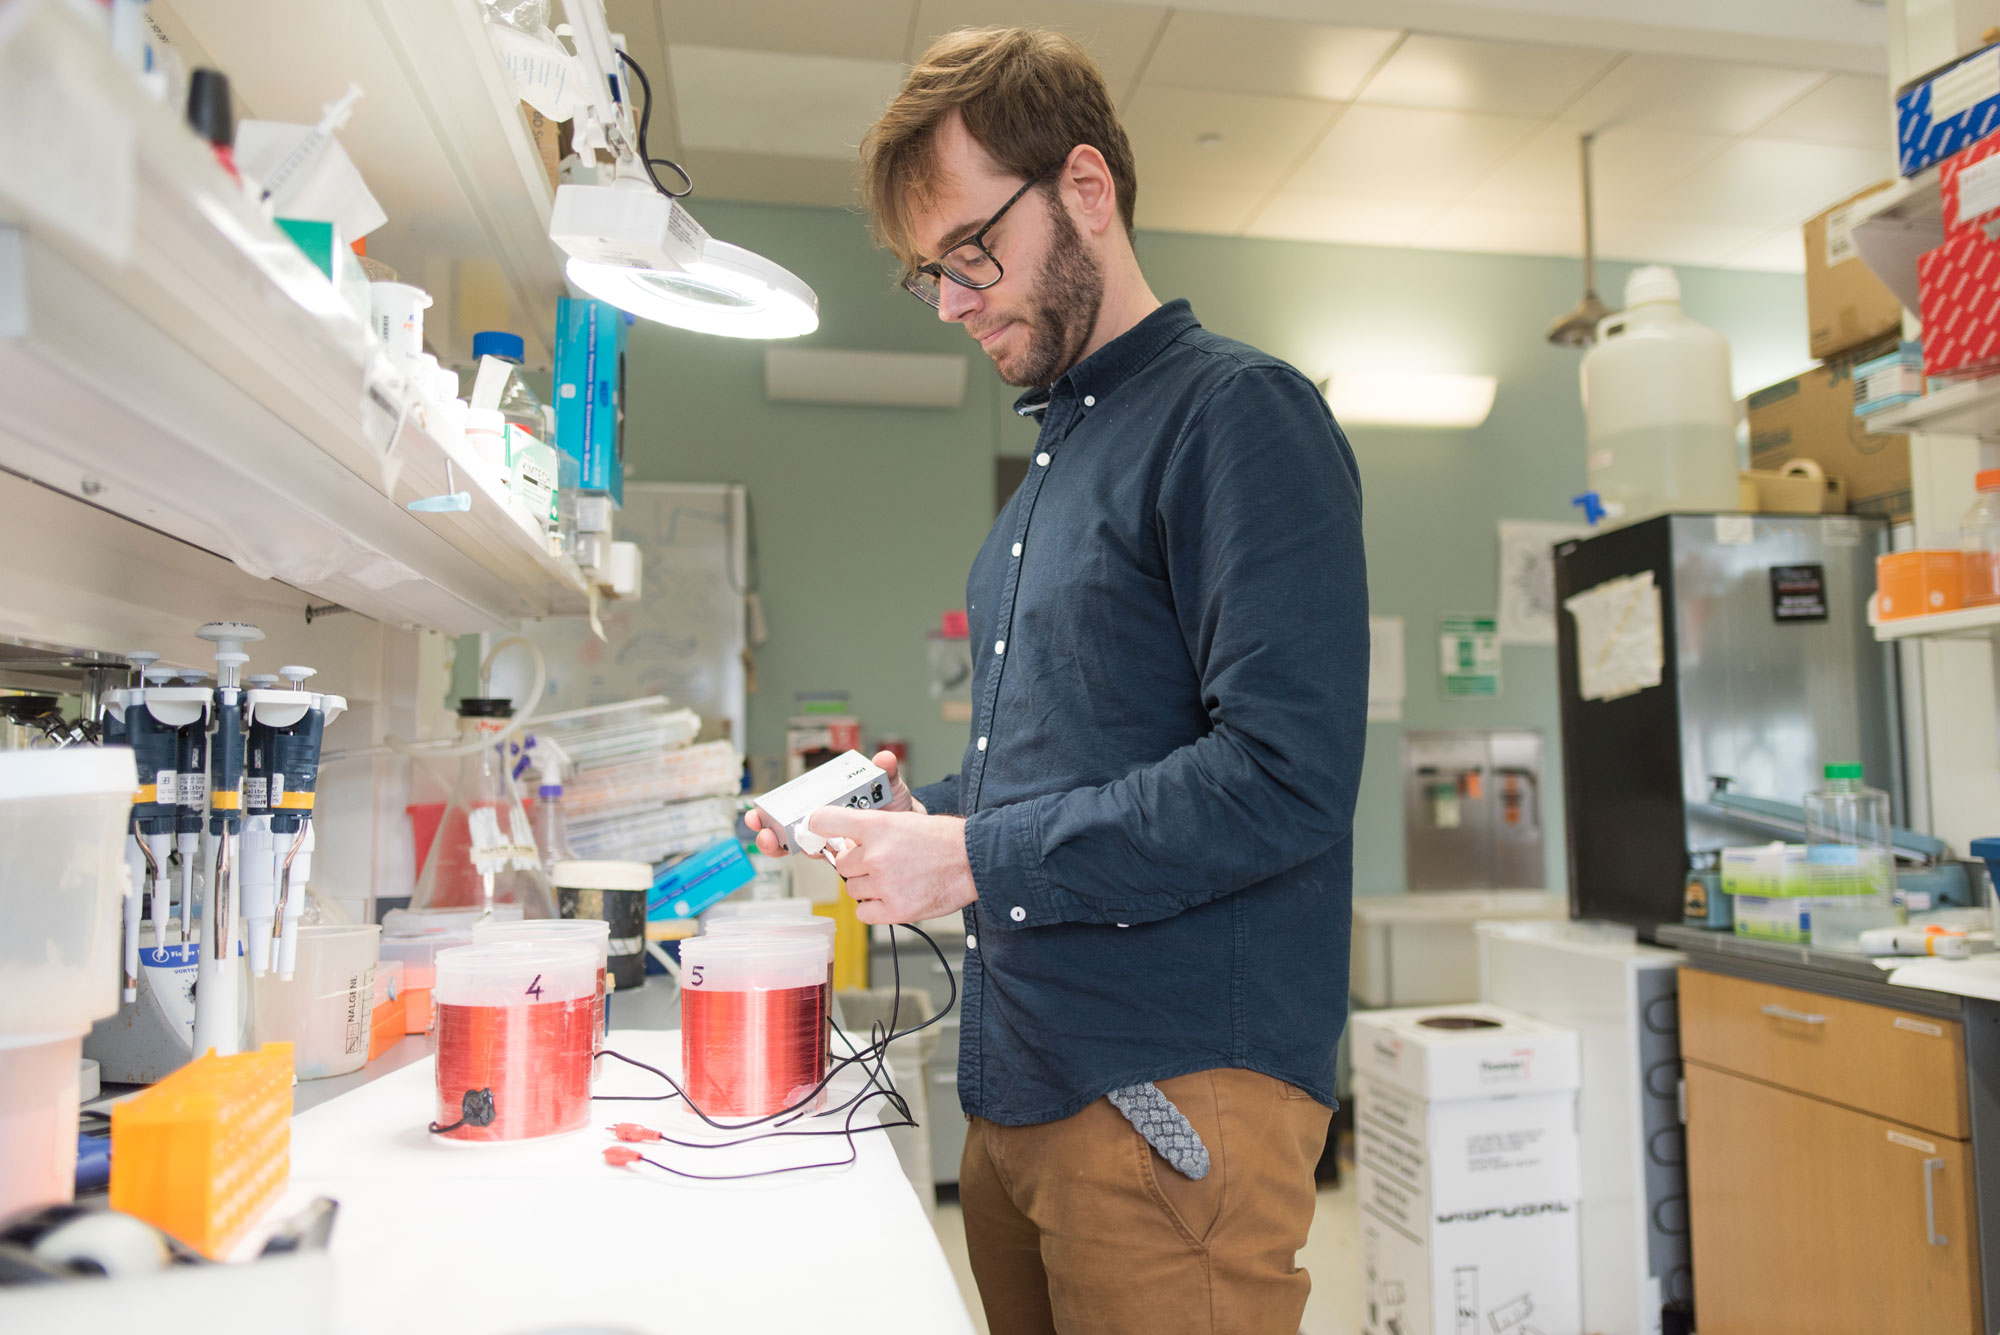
x,y
1969,187
1847,306
589,393
1509,1271
1960,287
1769,871
1463,1052
1787,919
1919,582
1470,1201
1941,112
548,142
1811,416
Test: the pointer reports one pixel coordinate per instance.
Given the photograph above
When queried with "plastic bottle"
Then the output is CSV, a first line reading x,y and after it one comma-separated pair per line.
x,y
1659,412
484,853
1979,539
551,830
1847,838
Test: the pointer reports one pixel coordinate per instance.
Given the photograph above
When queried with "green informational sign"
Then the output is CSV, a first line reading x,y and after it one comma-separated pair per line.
x,y
1469,656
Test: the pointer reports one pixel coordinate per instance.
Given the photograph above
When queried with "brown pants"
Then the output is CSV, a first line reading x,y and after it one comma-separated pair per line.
x,y
1078,1227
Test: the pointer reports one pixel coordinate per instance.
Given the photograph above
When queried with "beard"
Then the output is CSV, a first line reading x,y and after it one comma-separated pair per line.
x,y
1069,296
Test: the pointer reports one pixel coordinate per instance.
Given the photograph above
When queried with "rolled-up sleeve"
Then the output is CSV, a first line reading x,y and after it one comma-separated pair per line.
x,y
940,798
1259,521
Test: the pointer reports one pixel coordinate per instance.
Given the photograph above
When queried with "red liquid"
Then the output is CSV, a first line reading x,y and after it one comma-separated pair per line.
x,y
535,1059
747,1054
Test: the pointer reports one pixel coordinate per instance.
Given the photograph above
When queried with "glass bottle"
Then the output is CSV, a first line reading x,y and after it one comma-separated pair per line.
x,y
485,852
519,405
1847,839
1979,539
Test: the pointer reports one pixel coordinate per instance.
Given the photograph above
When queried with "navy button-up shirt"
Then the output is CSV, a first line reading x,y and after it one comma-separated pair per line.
x,y
1170,639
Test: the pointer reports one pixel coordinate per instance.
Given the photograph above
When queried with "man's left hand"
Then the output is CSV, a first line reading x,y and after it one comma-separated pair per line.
x,y
900,866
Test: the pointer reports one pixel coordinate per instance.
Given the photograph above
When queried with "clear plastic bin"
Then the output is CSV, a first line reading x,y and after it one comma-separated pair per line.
x,y
325,1009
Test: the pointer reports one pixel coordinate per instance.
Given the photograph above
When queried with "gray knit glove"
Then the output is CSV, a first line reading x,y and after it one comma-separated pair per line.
x,y
1164,1127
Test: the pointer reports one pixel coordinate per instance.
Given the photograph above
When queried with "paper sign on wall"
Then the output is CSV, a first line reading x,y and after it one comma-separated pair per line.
x,y
1385,669
1528,579
1469,656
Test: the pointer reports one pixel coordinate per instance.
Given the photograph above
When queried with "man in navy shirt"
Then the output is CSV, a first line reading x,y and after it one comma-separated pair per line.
x,y
1151,835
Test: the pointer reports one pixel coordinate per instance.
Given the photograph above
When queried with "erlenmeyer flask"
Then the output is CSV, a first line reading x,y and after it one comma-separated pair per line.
x,y
484,853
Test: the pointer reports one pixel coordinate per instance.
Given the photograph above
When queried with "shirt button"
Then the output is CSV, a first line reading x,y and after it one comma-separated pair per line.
x,y
971,941
1017,549
982,743
1043,458
999,646
1124,924
1018,914
1090,400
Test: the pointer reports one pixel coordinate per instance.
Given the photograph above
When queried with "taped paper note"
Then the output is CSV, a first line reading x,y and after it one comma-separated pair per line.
x,y
1619,649
1528,579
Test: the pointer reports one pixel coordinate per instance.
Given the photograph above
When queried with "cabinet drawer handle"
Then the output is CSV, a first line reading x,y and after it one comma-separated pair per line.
x,y
1786,1013
1931,1167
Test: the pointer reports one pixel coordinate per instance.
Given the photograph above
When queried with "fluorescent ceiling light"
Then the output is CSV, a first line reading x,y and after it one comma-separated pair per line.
x,y
728,291
1409,398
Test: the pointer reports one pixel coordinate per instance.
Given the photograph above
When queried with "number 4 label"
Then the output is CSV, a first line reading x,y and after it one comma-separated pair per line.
x,y
535,988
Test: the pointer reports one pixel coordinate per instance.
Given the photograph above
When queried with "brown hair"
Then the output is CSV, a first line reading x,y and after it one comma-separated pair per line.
x,y
1027,95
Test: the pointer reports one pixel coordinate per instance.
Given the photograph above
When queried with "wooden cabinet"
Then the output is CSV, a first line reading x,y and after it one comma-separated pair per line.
x,y
1906,1067
1812,1214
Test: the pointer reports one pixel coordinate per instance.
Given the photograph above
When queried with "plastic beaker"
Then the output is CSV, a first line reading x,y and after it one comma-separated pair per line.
x,y
323,1011
516,1022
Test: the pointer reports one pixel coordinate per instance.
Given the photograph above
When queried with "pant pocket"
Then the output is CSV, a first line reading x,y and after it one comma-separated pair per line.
x,y
1194,1207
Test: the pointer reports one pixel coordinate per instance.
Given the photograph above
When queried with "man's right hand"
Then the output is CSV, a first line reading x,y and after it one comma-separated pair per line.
x,y
899,800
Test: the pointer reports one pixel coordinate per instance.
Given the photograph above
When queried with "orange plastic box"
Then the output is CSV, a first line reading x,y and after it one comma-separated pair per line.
x,y
205,1151
1916,583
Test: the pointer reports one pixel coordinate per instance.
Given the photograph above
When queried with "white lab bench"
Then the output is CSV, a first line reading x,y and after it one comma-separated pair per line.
x,y
545,1236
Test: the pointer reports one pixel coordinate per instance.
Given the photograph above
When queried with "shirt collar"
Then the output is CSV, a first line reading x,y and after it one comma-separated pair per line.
x,y
1102,371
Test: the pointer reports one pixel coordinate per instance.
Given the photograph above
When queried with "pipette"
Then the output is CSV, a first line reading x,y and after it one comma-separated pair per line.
x,y
137,876
216,1000
155,715
259,868
294,785
190,801
332,116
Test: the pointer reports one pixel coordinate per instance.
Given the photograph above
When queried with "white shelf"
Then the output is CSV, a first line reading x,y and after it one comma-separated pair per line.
x,y
1902,223
1966,624
208,384
1969,409
438,134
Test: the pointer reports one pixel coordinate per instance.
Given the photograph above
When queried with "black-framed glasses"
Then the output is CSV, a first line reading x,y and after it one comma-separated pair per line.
x,y
969,263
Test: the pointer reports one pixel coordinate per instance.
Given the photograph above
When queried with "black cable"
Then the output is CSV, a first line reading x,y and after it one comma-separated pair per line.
x,y
849,1130
646,120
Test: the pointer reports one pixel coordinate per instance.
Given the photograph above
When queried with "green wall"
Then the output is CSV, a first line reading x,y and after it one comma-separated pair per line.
x,y
867,519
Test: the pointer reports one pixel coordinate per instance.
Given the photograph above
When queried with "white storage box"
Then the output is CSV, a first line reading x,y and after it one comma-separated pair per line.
x,y
1464,1052
1467,1170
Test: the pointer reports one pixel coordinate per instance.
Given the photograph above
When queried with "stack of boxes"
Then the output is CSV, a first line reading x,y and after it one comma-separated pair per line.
x,y
1855,323
1467,1156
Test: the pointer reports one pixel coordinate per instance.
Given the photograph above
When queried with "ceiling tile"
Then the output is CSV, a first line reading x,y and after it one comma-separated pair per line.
x,y
1503,231
1463,74
1360,222
1179,207
1781,252
1119,35
1766,184
769,178
772,102
1680,93
1846,109
1660,241
1400,153
1630,166
1246,55
1261,137
862,29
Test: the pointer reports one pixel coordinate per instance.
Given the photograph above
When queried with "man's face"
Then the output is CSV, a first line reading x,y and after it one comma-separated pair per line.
x,y
1035,322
